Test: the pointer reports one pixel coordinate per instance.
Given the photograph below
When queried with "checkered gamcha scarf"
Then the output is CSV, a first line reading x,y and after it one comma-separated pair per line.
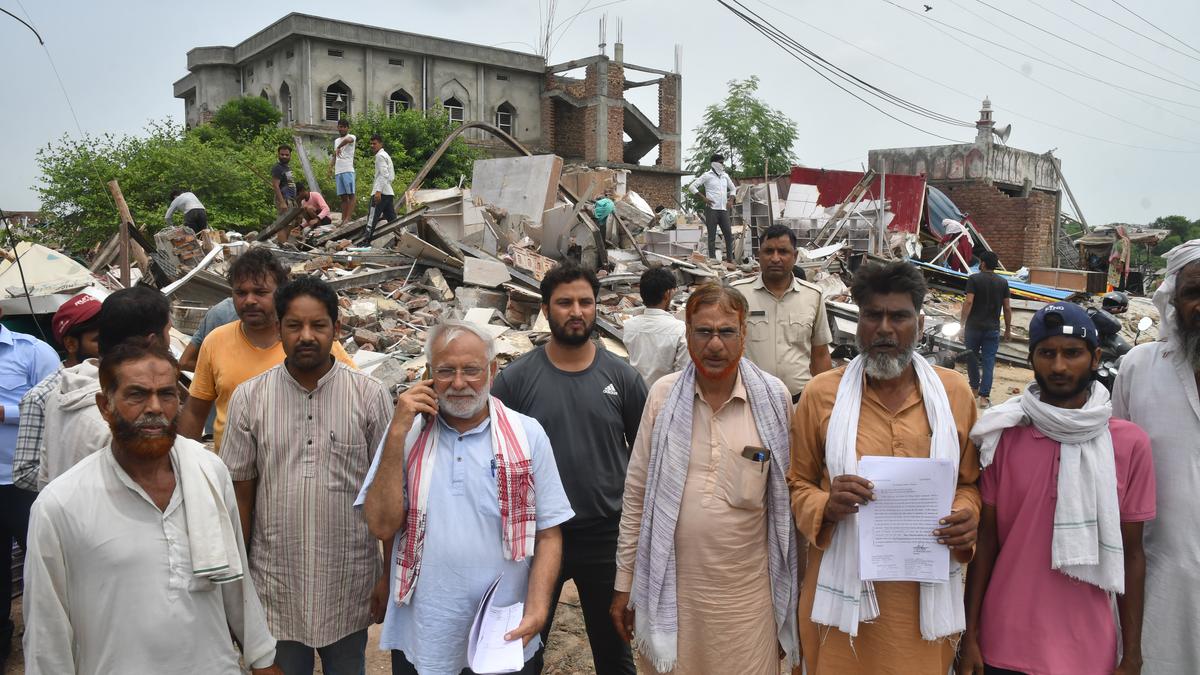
x,y
514,480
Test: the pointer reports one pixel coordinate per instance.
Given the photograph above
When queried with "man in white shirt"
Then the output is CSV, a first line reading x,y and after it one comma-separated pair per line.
x,y
194,215
655,340
342,166
718,196
382,193
136,556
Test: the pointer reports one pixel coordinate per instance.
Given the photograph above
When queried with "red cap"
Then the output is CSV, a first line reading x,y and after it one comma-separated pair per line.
x,y
73,312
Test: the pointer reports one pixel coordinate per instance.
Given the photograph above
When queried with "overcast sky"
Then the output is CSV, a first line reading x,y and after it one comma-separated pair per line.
x,y
1127,153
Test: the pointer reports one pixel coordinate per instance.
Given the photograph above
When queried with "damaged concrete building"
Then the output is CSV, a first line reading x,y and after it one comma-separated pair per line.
x,y
318,70
1013,196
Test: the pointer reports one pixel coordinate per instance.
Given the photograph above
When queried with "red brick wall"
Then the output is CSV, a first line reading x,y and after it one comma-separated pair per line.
x,y
668,120
616,113
1019,229
657,189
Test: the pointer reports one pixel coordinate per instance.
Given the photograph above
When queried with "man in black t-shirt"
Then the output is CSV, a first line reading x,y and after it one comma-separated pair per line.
x,y
590,404
987,295
282,179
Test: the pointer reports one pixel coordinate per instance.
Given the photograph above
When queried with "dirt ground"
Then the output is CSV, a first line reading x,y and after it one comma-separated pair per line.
x,y
567,653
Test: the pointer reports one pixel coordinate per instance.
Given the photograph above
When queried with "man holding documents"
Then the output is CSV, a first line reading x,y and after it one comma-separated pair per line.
x,y
706,559
887,403
465,492
1063,483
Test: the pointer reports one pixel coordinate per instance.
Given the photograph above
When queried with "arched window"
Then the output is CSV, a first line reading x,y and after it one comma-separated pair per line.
x,y
285,103
399,100
337,102
454,108
506,116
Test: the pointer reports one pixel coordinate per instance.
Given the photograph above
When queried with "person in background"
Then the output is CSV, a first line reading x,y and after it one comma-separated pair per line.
x,y
1156,390
963,244
136,557
904,408
987,295
242,349
718,194
342,166
314,211
480,503
316,566
603,208
75,328
707,570
75,428
24,362
194,214
382,194
788,332
1055,455
655,340
590,402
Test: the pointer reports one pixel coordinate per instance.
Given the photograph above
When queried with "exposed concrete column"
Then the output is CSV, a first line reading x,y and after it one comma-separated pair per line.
x,y
480,113
306,69
368,88
602,110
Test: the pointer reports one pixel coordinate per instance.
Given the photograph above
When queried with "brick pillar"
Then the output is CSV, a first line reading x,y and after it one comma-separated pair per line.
x,y
669,154
616,112
548,139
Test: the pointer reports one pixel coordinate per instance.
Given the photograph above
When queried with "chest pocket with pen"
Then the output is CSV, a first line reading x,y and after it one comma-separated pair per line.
x,y
742,477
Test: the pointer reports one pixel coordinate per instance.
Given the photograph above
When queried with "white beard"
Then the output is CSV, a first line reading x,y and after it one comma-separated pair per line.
x,y
464,409
883,366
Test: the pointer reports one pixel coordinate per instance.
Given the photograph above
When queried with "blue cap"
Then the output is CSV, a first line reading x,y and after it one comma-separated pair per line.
x,y
1062,318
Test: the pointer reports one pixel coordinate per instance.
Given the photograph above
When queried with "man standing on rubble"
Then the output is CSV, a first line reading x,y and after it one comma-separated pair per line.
x,y
284,183
1156,389
590,403
382,194
787,333
891,402
75,428
75,328
313,560
706,564
24,362
480,503
194,215
987,295
136,557
719,192
656,341
240,350
342,166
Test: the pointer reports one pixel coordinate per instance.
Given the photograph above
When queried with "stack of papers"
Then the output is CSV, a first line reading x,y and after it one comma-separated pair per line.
x,y
487,650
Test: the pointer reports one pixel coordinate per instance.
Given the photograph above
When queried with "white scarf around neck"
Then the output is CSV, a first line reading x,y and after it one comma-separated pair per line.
x,y
843,599
1087,541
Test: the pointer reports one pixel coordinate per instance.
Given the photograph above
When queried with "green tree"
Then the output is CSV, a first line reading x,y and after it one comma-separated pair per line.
x,y
747,131
246,117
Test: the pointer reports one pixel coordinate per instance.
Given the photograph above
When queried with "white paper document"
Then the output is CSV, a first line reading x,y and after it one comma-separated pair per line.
x,y
895,531
487,650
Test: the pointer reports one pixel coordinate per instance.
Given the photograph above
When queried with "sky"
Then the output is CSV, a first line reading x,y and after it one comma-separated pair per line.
x,y
1120,110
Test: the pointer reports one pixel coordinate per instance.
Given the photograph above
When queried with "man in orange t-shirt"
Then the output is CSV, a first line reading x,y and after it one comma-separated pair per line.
x,y
243,349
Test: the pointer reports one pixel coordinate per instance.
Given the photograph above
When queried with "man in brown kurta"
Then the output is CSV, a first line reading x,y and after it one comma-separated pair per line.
x,y
892,422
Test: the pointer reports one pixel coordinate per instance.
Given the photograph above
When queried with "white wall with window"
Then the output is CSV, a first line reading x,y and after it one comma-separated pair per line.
x,y
506,117
337,102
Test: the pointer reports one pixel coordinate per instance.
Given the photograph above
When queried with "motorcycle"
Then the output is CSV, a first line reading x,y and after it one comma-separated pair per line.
x,y
933,345
1113,347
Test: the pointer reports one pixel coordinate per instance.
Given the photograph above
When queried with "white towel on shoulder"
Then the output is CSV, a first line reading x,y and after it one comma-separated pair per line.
x,y
211,536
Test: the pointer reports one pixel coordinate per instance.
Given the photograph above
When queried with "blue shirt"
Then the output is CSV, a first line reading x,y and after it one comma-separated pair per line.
x,y
463,552
218,315
24,361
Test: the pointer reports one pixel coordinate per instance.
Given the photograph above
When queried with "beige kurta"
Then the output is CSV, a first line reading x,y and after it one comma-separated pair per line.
x,y
892,644
726,619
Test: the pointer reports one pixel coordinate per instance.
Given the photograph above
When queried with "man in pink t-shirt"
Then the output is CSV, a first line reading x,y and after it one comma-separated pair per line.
x,y
314,209
1061,527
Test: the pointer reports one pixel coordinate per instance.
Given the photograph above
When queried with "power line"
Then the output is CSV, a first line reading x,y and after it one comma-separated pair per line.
x,y
814,61
1143,35
954,37
1082,74
1148,23
1098,36
1084,47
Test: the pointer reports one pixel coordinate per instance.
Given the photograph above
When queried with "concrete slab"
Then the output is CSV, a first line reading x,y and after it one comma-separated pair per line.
x,y
524,185
486,273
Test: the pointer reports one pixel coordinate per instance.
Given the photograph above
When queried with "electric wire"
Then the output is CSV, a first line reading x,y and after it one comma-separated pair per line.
x,y
21,268
1155,27
962,93
1138,33
1040,60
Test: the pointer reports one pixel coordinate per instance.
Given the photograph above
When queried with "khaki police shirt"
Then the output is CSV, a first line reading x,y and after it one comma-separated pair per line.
x,y
782,332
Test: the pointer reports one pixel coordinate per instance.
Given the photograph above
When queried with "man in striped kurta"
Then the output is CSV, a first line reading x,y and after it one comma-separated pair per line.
x,y
299,441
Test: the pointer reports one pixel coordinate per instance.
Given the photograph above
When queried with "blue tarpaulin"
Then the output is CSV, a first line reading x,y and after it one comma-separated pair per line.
x,y
939,207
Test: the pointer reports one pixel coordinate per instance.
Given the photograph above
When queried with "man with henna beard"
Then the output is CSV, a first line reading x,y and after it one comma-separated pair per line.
x,y
136,560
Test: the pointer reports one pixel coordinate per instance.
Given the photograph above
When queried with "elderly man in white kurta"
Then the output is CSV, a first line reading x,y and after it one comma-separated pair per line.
x,y
1156,389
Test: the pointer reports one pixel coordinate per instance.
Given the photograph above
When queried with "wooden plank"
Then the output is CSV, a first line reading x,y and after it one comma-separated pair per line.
x,y
280,223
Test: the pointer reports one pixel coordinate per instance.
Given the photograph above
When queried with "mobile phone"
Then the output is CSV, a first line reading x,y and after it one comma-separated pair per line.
x,y
755,453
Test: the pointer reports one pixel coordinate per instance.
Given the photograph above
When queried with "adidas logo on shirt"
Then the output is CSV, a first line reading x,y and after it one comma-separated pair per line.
x,y
611,390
